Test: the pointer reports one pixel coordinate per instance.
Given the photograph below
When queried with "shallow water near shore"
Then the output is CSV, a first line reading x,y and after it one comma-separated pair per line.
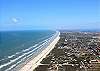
x,y
16,46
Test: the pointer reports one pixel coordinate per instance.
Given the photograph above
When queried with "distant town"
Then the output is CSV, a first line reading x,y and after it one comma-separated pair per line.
x,y
75,51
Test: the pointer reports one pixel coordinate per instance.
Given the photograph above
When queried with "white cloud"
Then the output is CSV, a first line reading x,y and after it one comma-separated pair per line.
x,y
15,20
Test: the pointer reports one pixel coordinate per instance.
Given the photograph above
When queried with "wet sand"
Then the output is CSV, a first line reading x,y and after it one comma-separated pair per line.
x,y
32,64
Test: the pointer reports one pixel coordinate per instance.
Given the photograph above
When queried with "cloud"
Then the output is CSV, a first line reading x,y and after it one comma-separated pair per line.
x,y
15,20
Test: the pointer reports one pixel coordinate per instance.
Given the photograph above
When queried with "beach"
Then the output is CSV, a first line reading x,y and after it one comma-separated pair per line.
x,y
32,64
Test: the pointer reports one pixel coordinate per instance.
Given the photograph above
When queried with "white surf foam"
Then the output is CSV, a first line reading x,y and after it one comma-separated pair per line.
x,y
28,53
11,61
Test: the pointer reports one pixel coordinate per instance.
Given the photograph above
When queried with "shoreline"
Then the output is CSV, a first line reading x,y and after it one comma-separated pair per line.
x,y
32,64
73,53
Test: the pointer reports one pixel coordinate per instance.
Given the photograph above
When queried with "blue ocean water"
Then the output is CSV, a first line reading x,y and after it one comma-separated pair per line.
x,y
16,46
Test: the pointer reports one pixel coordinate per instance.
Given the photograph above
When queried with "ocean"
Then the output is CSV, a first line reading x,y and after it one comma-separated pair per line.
x,y
18,47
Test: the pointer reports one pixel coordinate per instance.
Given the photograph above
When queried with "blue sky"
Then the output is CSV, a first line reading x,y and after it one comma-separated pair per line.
x,y
49,14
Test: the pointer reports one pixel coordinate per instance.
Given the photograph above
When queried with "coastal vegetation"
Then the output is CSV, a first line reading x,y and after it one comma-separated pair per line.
x,y
75,51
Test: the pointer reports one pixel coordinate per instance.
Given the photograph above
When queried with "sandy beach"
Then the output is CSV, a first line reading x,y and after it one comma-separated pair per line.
x,y
31,65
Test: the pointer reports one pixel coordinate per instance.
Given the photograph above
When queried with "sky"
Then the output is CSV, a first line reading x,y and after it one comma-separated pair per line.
x,y
49,14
